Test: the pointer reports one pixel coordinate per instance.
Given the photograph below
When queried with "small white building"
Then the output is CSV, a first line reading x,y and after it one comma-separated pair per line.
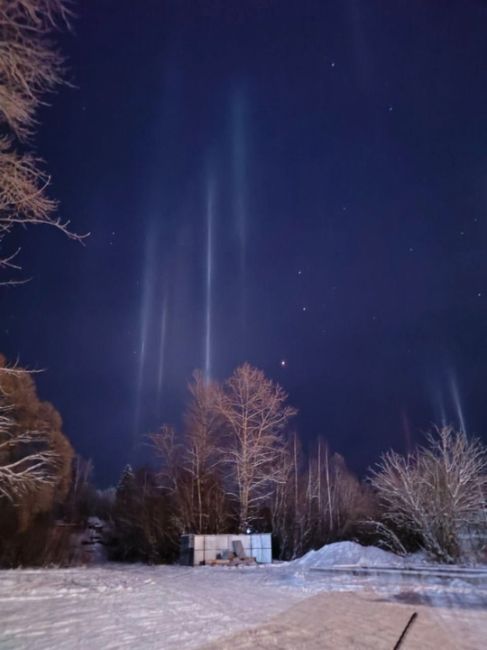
x,y
201,549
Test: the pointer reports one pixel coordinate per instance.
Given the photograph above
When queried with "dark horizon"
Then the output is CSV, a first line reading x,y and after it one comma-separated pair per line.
x,y
328,161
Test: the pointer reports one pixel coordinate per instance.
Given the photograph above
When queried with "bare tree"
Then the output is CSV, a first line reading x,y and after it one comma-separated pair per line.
x,y
201,457
435,493
172,479
317,501
255,417
168,450
284,507
30,66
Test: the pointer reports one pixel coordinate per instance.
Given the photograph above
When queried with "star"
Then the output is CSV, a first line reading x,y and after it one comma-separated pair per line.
x,y
283,363
304,309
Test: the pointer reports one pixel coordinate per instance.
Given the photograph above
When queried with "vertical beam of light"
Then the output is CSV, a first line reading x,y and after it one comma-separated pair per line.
x,y
457,402
441,407
162,352
145,310
210,208
239,192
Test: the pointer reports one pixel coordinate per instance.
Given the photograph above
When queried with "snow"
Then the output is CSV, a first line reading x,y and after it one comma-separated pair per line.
x,y
126,606
349,553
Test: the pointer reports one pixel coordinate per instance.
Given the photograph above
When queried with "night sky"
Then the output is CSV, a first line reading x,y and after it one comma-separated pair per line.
x,y
301,185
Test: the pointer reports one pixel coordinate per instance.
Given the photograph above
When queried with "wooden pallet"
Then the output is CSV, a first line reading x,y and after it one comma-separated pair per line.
x,y
248,561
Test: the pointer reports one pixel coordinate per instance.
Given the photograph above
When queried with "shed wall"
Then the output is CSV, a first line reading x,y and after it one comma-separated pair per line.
x,y
197,549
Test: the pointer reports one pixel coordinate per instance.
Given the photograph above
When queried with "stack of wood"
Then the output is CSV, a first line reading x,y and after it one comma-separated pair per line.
x,y
237,557
232,561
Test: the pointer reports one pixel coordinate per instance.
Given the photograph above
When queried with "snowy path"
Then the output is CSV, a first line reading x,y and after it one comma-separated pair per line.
x,y
165,607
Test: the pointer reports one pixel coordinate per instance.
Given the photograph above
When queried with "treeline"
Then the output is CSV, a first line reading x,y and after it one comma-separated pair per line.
x,y
236,465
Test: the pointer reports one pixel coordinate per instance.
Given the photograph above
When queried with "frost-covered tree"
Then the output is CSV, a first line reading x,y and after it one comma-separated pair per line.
x,y
35,470
35,455
436,493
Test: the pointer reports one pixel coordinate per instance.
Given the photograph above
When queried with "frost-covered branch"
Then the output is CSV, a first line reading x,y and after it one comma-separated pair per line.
x,y
23,466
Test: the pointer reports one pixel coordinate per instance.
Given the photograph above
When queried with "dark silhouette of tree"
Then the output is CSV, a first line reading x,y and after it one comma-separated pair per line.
x,y
142,519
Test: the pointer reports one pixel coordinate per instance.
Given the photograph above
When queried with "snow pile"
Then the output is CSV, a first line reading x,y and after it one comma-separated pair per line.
x,y
348,553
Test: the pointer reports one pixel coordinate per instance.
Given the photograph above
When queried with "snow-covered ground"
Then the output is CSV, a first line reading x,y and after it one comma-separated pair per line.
x,y
282,606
